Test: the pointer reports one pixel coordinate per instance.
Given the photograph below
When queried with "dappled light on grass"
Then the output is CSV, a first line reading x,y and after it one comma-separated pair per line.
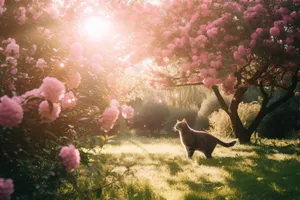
x,y
242,172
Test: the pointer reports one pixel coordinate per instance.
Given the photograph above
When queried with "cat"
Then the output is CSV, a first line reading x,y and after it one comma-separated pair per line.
x,y
194,140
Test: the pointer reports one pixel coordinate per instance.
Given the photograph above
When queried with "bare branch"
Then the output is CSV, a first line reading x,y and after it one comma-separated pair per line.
x,y
221,100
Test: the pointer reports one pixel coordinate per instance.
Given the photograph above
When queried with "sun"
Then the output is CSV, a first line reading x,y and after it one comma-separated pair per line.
x,y
96,26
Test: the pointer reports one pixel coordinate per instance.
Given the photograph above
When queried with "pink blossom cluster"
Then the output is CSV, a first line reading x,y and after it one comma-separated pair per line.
x,y
73,80
254,12
69,100
76,50
109,118
21,15
241,54
41,63
47,114
34,13
127,112
114,102
12,49
11,112
254,36
52,89
70,157
6,187
1,6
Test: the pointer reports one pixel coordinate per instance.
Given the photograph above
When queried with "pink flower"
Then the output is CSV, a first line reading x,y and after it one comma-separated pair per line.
x,y
13,71
11,112
109,118
35,14
52,89
212,32
76,50
12,49
96,63
127,112
208,82
41,63
6,185
114,102
32,93
12,61
237,55
166,53
289,41
293,14
70,157
74,80
2,3
69,101
252,43
275,31
22,16
46,115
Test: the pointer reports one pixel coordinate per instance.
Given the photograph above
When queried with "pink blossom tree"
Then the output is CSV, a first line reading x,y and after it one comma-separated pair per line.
x,y
224,45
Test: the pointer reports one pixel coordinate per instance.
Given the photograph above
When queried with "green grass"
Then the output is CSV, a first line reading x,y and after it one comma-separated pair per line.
x,y
270,170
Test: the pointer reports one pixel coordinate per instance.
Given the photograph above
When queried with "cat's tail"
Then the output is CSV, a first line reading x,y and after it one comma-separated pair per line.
x,y
225,144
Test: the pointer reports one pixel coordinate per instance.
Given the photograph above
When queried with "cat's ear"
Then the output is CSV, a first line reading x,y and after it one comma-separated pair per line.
x,y
177,121
184,120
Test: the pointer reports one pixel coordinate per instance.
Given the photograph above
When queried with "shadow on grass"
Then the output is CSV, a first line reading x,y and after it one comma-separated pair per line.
x,y
253,177
174,167
144,192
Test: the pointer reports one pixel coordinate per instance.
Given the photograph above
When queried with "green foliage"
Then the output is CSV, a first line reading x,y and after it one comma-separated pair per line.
x,y
220,122
211,104
281,123
251,95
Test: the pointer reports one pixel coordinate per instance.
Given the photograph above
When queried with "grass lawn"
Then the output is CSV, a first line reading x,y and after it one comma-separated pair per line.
x,y
270,170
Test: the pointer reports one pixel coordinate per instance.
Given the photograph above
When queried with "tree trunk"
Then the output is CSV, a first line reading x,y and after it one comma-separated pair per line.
x,y
240,132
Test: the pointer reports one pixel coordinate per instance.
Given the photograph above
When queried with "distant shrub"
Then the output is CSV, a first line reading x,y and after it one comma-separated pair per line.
x,y
179,114
151,116
220,122
211,104
202,123
282,122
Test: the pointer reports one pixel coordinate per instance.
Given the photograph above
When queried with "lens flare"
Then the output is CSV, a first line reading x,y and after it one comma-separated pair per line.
x,y
96,26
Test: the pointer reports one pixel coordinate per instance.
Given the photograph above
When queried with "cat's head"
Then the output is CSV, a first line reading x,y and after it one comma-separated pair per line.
x,y
180,125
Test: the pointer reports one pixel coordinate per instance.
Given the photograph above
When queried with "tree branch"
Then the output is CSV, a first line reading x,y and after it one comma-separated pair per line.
x,y
187,84
221,100
287,96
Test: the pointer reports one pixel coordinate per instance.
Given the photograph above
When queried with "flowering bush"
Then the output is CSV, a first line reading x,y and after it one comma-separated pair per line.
x,y
51,96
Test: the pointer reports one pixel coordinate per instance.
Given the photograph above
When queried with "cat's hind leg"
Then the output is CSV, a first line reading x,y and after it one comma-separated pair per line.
x,y
190,152
209,150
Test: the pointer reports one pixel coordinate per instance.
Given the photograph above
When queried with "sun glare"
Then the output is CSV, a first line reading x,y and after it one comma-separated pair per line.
x,y
155,2
96,26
